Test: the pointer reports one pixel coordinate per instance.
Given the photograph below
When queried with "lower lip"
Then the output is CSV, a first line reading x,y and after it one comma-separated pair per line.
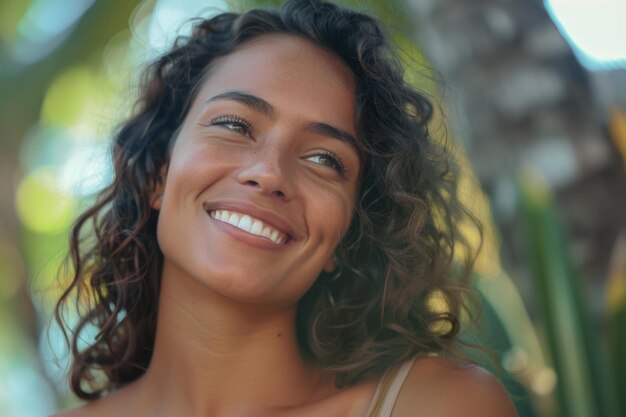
x,y
245,237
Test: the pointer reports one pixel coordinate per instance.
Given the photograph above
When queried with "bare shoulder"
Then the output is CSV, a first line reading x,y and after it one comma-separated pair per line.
x,y
117,403
440,387
87,410
97,408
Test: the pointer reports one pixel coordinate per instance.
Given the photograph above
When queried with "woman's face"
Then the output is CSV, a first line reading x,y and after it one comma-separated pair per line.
x,y
261,183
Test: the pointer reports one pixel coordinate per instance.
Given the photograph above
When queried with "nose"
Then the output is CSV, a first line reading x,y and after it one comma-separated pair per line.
x,y
268,172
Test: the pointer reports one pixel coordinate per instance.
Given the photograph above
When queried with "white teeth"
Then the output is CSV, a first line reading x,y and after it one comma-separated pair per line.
x,y
233,219
249,224
257,228
244,223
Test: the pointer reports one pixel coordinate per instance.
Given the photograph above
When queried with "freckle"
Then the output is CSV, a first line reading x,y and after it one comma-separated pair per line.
x,y
279,335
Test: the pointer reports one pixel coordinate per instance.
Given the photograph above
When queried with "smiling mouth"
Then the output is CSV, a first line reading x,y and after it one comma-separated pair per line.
x,y
250,225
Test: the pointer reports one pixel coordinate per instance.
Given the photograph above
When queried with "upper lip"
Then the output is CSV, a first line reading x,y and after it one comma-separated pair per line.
x,y
266,216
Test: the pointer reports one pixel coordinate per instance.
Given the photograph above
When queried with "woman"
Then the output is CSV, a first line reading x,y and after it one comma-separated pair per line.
x,y
279,220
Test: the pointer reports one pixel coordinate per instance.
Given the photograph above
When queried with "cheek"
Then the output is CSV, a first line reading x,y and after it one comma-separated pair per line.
x,y
198,168
333,212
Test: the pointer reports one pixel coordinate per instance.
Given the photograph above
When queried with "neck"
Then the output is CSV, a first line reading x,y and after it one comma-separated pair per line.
x,y
218,357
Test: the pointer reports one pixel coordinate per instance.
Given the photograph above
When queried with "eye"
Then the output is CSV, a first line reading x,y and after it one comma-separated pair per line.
x,y
234,123
328,159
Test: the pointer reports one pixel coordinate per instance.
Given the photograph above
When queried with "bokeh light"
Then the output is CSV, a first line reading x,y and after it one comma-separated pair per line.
x,y
594,28
41,204
44,26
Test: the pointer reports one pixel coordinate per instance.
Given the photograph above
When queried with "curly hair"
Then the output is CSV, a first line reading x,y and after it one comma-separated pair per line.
x,y
375,310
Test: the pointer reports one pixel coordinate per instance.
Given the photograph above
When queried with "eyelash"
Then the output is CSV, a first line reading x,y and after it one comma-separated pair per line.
x,y
335,161
243,126
239,124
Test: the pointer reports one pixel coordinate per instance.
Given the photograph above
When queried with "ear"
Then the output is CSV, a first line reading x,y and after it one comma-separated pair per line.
x,y
156,194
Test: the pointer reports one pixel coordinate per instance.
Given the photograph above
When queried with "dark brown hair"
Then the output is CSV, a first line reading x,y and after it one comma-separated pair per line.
x,y
376,310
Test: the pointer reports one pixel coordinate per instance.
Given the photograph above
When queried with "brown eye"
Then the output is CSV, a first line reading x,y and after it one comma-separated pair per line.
x,y
234,123
328,159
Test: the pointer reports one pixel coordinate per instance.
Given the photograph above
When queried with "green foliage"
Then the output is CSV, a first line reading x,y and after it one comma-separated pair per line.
x,y
616,321
583,388
506,328
508,334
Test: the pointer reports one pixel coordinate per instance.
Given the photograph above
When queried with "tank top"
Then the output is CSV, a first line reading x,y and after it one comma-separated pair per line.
x,y
388,389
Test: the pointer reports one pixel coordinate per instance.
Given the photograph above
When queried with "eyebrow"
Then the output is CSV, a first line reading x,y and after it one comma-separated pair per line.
x,y
254,102
333,132
259,105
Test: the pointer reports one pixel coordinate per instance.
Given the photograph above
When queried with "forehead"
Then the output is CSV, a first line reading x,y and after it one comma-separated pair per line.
x,y
293,74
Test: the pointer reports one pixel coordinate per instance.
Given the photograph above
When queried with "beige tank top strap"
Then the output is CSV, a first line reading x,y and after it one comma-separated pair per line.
x,y
387,390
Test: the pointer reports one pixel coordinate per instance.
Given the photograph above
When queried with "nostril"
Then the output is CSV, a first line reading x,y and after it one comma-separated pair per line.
x,y
268,185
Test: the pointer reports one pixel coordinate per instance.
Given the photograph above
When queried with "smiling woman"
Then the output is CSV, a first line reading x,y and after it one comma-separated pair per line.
x,y
279,222
258,155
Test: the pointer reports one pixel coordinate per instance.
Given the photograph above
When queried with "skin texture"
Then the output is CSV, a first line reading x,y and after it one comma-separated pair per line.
x,y
278,167
226,343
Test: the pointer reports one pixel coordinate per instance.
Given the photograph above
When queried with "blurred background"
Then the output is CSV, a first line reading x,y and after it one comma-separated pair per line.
x,y
534,97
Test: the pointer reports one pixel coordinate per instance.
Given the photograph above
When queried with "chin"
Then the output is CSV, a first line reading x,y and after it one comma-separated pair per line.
x,y
245,285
